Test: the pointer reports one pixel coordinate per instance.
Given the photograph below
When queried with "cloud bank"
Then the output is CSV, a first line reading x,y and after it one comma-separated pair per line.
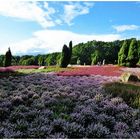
x,y
48,41
122,28
28,10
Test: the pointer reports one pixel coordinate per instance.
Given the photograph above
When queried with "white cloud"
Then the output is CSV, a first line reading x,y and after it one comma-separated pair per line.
x,y
122,28
73,10
42,13
28,10
47,41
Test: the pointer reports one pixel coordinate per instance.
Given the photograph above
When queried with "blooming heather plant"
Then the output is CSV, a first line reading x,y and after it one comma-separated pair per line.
x,y
49,106
93,70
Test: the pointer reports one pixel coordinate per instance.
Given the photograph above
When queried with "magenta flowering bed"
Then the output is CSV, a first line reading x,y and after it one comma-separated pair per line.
x,y
18,67
51,106
106,70
6,70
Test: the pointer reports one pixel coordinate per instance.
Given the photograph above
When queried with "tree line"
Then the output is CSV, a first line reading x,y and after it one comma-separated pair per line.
x,y
57,58
121,52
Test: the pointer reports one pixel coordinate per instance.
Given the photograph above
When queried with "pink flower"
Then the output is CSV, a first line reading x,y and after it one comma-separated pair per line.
x,y
93,70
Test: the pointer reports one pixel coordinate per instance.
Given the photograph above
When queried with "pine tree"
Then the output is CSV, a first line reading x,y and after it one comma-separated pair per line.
x,y
133,54
70,51
8,58
66,55
122,55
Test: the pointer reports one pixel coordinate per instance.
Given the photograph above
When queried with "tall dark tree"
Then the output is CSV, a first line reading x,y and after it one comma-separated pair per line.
x,y
8,58
133,54
70,51
66,55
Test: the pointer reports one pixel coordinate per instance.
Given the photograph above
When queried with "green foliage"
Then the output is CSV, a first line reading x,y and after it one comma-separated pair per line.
x,y
133,53
107,51
130,93
138,50
2,60
52,59
15,60
66,55
122,55
28,61
8,58
23,59
41,61
96,56
58,59
88,53
83,53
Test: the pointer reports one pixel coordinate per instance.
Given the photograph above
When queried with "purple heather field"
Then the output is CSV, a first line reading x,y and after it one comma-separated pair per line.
x,y
50,106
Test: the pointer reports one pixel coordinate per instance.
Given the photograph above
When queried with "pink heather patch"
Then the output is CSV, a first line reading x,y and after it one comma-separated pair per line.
x,y
13,68
93,70
21,67
4,70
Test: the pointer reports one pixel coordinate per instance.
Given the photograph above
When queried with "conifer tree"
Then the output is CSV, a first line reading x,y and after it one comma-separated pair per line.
x,y
122,55
66,55
70,51
8,58
133,54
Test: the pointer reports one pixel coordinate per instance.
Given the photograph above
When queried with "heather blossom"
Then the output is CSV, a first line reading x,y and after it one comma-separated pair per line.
x,y
50,106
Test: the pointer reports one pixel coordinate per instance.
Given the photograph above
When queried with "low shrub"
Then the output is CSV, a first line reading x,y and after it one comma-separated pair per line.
x,y
130,93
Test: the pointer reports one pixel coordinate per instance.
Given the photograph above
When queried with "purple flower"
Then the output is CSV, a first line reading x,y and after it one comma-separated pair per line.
x,y
121,127
97,131
74,130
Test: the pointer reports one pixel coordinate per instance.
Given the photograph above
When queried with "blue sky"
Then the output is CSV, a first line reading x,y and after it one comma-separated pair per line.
x,y
33,27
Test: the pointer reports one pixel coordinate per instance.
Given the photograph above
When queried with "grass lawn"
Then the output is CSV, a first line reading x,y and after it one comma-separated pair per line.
x,y
48,69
